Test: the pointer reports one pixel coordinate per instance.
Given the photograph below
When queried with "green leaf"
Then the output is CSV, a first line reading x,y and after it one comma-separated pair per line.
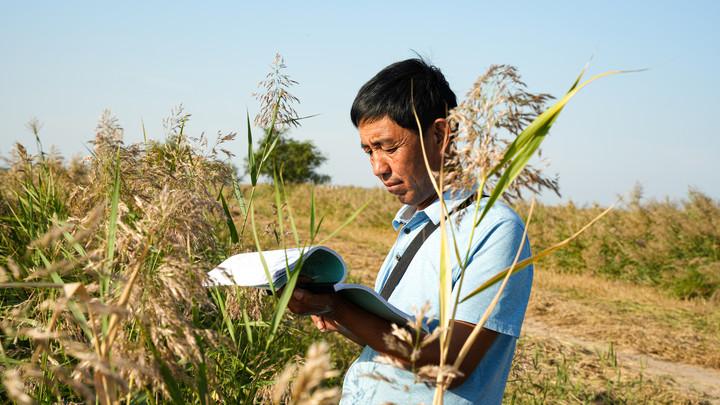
x,y
259,250
237,192
312,213
524,146
291,218
347,222
251,155
142,124
112,227
248,329
226,319
284,299
228,218
277,186
170,383
202,381
74,309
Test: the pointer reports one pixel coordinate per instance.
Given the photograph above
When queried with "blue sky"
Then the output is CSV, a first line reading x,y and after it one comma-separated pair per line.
x,y
65,63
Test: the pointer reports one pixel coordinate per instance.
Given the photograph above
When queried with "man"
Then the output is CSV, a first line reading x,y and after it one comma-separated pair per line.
x,y
383,114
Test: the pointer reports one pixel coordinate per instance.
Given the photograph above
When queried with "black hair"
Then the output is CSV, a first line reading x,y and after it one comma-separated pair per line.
x,y
389,94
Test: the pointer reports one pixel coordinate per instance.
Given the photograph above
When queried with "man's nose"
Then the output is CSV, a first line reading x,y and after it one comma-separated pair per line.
x,y
380,167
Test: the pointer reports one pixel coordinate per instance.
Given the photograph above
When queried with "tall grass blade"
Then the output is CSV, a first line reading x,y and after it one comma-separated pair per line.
x,y
142,124
526,144
202,380
445,281
250,154
248,329
237,192
202,383
228,218
284,299
312,213
170,381
279,206
58,281
248,207
347,222
291,217
259,250
112,227
226,318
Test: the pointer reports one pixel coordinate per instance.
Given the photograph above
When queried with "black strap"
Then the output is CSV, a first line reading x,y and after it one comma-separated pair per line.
x,y
399,270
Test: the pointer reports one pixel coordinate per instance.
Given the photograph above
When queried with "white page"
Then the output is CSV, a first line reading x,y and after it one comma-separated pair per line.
x,y
246,269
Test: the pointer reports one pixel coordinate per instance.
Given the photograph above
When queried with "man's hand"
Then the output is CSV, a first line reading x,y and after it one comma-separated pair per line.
x,y
303,302
324,324
322,310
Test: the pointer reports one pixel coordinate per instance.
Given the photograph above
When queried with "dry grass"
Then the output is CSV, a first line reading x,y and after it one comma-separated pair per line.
x,y
547,371
102,263
636,317
619,283
672,245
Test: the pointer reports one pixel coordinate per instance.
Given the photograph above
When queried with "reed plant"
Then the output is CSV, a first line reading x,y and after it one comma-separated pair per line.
x,y
103,265
102,261
480,157
102,277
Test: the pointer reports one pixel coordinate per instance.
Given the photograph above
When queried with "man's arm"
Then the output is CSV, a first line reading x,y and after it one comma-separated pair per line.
x,y
369,329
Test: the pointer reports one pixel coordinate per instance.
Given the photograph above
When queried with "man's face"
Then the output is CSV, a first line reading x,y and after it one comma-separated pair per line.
x,y
397,159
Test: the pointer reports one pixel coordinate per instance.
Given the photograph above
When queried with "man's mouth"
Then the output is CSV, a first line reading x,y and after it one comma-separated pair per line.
x,y
394,188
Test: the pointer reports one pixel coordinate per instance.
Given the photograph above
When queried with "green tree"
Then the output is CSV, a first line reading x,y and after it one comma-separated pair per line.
x,y
297,160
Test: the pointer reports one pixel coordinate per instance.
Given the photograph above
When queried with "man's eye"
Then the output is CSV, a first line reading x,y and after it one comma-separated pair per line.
x,y
390,150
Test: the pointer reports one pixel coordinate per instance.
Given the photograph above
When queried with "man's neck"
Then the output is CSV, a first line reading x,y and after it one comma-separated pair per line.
x,y
426,203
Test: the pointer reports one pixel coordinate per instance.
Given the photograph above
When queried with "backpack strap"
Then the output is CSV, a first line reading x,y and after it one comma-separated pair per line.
x,y
399,270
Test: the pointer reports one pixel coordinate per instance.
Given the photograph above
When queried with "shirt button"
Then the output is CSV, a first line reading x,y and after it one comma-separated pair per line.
x,y
406,230
398,256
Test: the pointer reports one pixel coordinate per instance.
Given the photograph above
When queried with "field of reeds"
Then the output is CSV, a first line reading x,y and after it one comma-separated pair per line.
x,y
103,264
102,260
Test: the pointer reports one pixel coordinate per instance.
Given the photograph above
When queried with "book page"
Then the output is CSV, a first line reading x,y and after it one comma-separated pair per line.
x,y
321,265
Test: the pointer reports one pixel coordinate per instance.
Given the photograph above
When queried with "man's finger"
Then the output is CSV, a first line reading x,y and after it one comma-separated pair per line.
x,y
318,322
299,294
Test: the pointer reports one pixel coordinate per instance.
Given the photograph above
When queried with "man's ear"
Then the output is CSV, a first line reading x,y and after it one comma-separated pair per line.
x,y
440,132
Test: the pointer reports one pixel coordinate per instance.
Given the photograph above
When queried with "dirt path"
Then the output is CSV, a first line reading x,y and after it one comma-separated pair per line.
x,y
700,379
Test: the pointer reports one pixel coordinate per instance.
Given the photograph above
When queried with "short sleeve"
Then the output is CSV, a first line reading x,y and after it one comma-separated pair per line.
x,y
494,252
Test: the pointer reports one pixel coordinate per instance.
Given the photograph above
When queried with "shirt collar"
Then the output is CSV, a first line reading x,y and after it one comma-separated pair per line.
x,y
432,211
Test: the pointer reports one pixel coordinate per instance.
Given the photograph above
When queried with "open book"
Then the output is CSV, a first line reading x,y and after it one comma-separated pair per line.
x,y
323,270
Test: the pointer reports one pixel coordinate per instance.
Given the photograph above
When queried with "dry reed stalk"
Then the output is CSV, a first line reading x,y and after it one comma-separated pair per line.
x,y
165,190
494,112
306,388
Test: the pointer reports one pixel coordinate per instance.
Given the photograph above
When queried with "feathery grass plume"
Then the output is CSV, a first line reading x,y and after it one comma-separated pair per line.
x,y
108,132
34,125
14,382
409,342
174,124
494,112
143,333
276,102
306,389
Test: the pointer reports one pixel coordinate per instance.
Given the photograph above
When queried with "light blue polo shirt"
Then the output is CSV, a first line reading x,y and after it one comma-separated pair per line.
x,y
494,246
